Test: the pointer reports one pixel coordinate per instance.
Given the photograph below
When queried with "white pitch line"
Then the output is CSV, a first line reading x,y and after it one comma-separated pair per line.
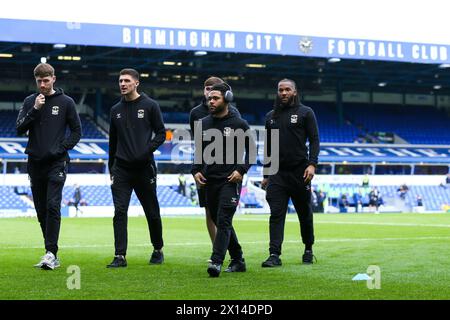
x,y
242,242
394,224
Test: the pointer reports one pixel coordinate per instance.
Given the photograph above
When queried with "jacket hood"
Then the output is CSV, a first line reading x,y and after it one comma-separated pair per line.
x,y
141,97
58,92
229,115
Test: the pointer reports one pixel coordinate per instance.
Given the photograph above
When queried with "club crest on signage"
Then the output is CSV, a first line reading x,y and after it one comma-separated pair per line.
x,y
305,45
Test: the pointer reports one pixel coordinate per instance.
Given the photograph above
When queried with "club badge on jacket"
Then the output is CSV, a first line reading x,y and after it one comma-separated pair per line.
x,y
55,110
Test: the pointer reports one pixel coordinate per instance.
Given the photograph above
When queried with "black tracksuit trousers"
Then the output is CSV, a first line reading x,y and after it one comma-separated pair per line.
x,y
143,182
47,181
282,186
222,198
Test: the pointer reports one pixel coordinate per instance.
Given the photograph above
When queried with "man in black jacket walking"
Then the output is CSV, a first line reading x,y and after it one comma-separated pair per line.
x,y
46,116
296,123
199,112
222,171
133,121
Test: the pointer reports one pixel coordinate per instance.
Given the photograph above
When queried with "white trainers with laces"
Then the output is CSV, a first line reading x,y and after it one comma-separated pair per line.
x,y
57,263
48,262
38,265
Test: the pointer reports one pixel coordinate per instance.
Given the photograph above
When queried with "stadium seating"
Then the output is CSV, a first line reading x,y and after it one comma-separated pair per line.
x,y
8,126
176,117
433,196
329,128
415,124
10,200
101,196
254,112
90,129
94,196
249,201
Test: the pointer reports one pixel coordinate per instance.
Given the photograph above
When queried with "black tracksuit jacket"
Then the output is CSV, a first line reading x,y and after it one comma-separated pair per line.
x,y
47,127
222,171
132,124
296,124
202,111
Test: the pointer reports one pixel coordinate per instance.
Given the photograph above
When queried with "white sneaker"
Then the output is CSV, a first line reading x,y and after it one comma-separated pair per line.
x,y
38,265
43,259
49,261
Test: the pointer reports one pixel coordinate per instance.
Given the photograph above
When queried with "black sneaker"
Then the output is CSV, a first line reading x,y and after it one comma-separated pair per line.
x,y
118,262
236,265
157,257
272,261
214,269
308,257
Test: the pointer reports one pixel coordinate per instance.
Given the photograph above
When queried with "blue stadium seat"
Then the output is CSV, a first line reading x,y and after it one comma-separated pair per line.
x,y
8,126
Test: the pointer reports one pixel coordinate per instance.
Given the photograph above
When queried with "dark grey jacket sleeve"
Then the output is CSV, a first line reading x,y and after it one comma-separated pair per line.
x,y
73,120
112,142
250,151
158,127
27,115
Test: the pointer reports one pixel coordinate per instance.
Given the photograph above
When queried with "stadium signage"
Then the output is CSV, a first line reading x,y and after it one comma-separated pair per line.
x,y
380,50
199,39
96,149
219,40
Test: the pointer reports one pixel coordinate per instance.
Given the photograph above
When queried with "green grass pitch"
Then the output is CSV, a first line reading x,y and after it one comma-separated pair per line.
x,y
411,250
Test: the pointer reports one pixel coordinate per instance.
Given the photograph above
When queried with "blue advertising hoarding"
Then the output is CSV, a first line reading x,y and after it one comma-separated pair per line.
x,y
95,149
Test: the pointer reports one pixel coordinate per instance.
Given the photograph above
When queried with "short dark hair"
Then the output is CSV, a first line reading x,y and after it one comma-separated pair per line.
x,y
44,70
289,80
131,72
222,87
212,81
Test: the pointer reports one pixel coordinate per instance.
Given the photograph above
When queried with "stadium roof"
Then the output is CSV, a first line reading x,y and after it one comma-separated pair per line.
x,y
315,75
